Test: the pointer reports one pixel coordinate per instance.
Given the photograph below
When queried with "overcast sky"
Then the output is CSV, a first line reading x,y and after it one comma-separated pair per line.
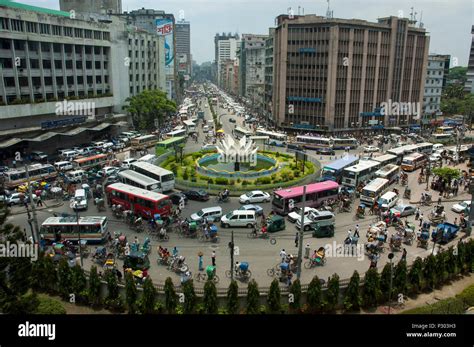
x,y
447,21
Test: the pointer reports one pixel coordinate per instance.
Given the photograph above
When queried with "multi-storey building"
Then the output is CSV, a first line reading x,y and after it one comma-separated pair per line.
x,y
252,69
162,24
269,75
91,6
225,48
469,87
438,66
336,74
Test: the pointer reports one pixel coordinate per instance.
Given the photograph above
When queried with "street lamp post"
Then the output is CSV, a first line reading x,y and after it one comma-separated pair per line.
x,y
390,256
79,237
300,244
231,247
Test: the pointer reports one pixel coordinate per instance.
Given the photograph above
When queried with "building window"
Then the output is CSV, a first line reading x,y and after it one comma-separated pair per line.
x,y
34,63
88,34
68,64
59,81
17,25
97,35
70,81
56,30
78,64
78,32
68,31
106,35
31,27
44,29
4,24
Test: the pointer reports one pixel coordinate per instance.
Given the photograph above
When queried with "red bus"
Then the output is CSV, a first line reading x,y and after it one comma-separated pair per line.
x,y
89,162
316,194
140,201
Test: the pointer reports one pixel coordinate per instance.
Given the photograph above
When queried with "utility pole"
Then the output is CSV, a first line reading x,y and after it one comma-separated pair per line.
x,y
300,244
390,256
33,207
79,237
231,246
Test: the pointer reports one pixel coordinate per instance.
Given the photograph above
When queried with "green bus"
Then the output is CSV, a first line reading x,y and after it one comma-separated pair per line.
x,y
169,143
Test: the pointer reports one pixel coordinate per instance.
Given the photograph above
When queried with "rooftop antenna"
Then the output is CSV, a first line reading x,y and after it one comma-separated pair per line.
x,y
413,15
421,18
329,13
303,11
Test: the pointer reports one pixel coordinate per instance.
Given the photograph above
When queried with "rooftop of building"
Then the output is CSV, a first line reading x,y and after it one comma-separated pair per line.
x,y
17,5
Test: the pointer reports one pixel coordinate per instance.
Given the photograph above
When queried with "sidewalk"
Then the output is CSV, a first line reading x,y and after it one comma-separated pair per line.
x,y
16,210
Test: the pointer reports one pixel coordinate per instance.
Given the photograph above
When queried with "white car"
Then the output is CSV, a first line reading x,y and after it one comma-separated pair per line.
x,y
296,214
127,162
371,149
107,171
435,157
461,207
254,196
15,199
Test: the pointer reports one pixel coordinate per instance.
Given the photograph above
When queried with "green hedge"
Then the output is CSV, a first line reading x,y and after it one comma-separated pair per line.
x,y
50,306
467,296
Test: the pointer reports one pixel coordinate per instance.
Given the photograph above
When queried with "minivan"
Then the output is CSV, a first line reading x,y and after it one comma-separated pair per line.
x,y
210,213
63,166
438,146
79,202
75,176
127,162
149,158
239,218
316,218
388,200
69,155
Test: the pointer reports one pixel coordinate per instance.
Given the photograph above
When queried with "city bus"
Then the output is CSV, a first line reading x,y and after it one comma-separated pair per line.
x,y
316,194
140,201
142,142
260,140
362,172
190,126
37,172
313,142
386,159
374,190
441,137
241,132
445,130
401,151
333,171
424,147
343,143
414,161
165,177
390,172
89,162
93,229
276,139
136,179
171,142
176,133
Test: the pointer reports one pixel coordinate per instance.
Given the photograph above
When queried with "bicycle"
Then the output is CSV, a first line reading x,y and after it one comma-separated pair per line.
x,y
202,276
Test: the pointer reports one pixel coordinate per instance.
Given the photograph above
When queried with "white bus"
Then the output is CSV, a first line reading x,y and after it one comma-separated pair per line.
x,y
142,142
149,158
190,126
91,228
441,137
374,190
313,142
424,147
386,159
390,172
37,172
343,143
241,132
260,140
414,161
136,179
176,133
165,177
401,151
359,173
445,130
276,139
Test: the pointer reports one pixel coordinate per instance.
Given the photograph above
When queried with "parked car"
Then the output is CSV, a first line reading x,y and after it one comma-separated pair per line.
x,y
325,151
118,146
16,199
127,162
258,209
176,198
199,195
403,210
107,171
371,149
254,196
296,214
318,218
39,156
462,207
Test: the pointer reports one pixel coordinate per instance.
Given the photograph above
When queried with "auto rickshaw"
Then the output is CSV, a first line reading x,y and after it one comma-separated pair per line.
x,y
407,193
275,223
323,230
137,261
360,213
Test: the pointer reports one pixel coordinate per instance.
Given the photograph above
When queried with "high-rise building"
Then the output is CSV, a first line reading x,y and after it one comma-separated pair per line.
x,y
163,24
91,6
252,69
469,87
338,75
225,48
437,69
183,47
269,75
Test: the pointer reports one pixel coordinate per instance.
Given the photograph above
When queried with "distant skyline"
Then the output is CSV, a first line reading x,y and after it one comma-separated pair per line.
x,y
448,22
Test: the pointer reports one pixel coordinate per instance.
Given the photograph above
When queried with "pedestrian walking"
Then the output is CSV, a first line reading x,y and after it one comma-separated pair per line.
x,y
283,255
213,258
296,239
417,213
456,221
39,203
200,265
439,199
404,255
307,249
421,219
175,251
356,232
